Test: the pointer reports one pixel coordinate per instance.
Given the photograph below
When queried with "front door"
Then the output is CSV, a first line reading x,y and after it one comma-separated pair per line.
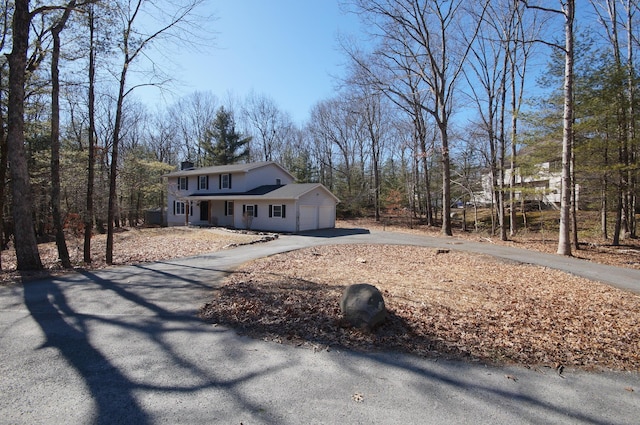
x,y
204,211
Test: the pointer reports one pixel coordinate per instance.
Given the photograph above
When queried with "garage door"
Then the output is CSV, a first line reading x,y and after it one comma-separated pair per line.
x,y
327,217
308,218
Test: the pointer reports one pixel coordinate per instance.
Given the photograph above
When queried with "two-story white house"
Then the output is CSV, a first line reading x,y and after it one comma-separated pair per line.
x,y
540,183
257,196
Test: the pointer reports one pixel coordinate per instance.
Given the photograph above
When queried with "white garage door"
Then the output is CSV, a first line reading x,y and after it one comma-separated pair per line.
x,y
327,217
308,218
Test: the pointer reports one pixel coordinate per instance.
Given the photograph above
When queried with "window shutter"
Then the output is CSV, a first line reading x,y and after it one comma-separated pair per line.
x,y
255,210
229,180
207,182
270,210
226,206
284,211
186,184
190,208
174,207
244,209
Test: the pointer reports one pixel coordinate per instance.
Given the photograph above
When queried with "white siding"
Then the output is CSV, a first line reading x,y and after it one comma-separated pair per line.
x,y
266,175
263,221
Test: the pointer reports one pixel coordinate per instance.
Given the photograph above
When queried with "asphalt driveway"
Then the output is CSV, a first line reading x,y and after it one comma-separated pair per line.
x,y
124,345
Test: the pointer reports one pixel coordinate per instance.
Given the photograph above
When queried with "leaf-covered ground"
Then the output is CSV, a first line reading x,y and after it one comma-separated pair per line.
x,y
451,305
131,246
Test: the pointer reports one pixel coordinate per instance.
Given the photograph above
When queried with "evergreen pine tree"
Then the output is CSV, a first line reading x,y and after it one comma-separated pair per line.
x,y
226,146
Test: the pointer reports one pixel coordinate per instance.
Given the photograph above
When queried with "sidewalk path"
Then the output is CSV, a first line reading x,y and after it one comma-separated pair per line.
x,y
124,345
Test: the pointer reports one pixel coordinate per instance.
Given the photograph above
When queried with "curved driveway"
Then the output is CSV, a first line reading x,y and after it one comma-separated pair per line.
x,y
124,345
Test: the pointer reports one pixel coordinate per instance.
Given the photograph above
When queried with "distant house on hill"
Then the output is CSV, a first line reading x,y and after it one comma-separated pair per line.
x,y
540,183
258,196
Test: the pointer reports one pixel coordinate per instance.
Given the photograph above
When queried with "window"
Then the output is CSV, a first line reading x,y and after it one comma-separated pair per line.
x,y
278,211
228,208
183,183
203,182
225,181
178,208
278,182
250,210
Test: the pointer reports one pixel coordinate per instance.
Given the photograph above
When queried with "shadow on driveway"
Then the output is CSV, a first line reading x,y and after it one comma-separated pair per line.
x,y
110,389
114,352
334,233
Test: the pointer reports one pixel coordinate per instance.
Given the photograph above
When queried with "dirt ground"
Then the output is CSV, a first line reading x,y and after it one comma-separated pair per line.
x,y
440,305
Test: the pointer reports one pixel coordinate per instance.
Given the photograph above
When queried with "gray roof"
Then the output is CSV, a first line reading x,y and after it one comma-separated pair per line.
x,y
291,191
225,169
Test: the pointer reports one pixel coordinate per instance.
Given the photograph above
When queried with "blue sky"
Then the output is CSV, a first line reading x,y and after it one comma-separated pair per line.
x,y
285,49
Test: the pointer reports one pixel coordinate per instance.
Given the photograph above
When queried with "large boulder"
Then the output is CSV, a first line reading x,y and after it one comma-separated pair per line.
x,y
363,306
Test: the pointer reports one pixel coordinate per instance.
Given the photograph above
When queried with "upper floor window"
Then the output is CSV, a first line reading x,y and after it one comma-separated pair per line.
x,y
225,181
203,182
183,183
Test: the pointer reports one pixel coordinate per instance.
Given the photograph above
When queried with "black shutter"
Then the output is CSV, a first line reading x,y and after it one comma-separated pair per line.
x,y
226,206
255,210
284,211
220,181
186,185
174,207
244,209
270,210
207,182
190,208
229,180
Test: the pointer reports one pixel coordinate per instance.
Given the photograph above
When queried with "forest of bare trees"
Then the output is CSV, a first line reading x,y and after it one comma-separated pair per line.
x,y
445,101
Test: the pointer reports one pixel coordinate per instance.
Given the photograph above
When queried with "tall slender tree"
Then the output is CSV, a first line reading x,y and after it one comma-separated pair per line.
x,y
567,11
91,161
27,255
56,29
132,44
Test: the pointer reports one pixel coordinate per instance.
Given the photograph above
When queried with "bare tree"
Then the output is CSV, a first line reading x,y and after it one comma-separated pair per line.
x,y
58,224
4,35
567,11
133,43
564,241
194,115
91,160
435,36
27,255
271,126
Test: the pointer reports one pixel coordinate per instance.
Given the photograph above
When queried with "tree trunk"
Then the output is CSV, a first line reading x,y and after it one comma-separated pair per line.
x,y
446,182
27,255
61,243
564,241
3,174
113,197
88,218
603,208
